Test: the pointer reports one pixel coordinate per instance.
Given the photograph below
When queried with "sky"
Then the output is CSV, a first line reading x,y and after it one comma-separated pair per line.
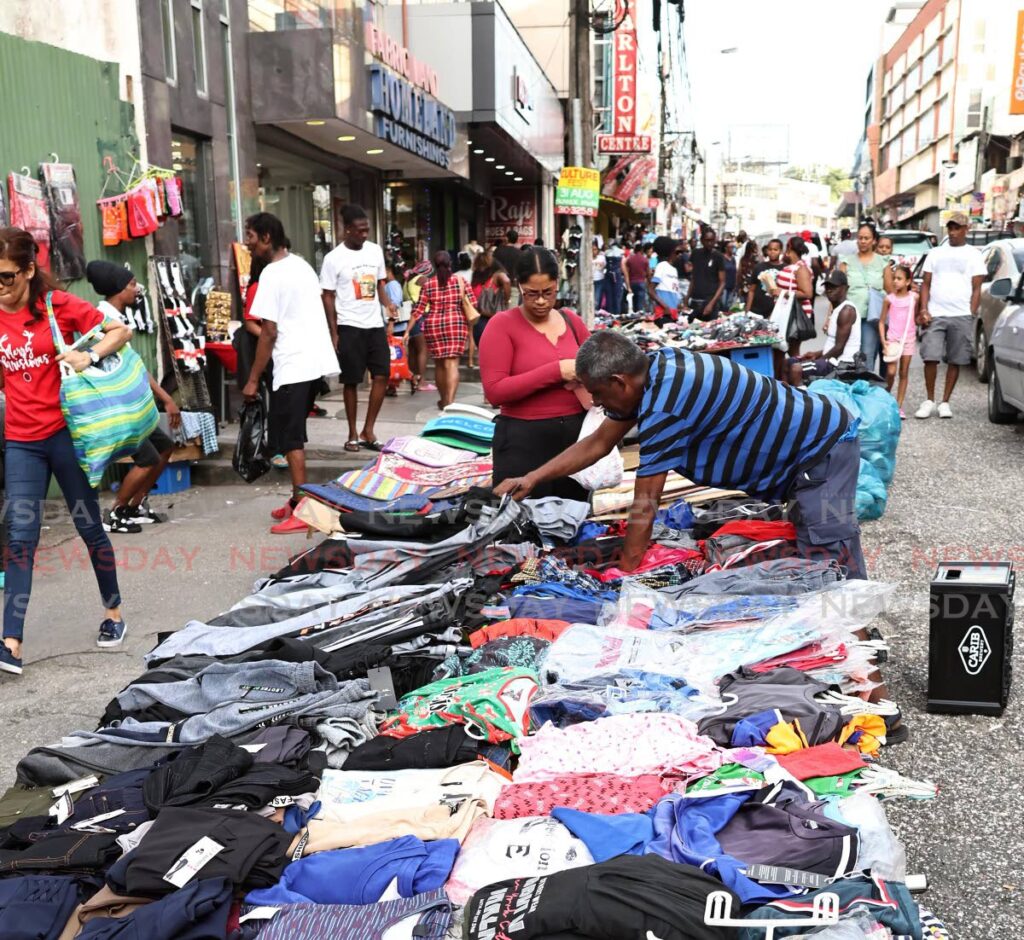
x,y
799,63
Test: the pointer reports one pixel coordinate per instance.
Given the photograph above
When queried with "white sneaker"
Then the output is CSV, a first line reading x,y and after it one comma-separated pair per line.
x,y
926,410
944,410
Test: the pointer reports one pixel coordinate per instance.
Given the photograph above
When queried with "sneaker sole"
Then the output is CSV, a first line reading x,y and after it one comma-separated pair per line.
x,y
111,644
13,670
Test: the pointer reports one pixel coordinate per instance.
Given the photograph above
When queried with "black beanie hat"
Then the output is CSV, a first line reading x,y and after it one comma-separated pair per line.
x,y
108,278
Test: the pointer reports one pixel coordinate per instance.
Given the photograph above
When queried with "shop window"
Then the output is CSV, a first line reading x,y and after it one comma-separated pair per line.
x,y
191,161
974,109
926,128
942,123
167,23
267,16
930,63
979,38
199,46
603,62
323,234
409,220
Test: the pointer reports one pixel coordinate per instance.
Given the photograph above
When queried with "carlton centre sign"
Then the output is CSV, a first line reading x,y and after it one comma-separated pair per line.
x,y
402,98
624,138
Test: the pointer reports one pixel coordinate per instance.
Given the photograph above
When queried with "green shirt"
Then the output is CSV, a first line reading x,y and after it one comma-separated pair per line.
x,y
863,277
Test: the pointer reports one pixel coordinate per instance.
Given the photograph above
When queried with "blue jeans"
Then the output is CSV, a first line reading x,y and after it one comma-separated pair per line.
x,y
613,292
870,344
599,295
639,297
28,466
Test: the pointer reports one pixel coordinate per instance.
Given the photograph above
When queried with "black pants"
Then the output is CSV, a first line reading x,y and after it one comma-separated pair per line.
x,y
521,446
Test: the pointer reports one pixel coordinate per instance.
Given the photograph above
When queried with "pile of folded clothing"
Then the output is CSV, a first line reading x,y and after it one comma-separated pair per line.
x,y
412,478
476,724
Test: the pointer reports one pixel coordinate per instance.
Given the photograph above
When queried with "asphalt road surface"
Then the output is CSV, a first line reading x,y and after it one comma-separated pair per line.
x,y
957,495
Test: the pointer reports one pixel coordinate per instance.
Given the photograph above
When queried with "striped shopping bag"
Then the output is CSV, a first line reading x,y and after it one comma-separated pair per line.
x,y
109,408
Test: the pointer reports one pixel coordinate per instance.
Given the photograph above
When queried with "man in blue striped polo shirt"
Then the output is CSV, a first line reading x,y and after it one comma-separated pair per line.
x,y
718,424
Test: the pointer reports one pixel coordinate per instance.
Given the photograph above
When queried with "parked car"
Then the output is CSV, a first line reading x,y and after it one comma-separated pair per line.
x,y
1005,353
1004,259
909,246
980,237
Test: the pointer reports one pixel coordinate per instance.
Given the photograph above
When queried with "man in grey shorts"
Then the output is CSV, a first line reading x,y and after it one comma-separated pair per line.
x,y
953,274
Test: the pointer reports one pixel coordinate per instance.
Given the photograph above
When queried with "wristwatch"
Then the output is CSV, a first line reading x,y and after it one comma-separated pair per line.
x,y
94,357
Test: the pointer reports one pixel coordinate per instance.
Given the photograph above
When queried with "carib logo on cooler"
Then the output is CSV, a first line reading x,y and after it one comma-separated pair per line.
x,y
974,650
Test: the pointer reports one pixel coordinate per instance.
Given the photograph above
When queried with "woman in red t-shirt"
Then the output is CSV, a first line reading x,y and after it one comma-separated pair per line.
x,y
528,370
38,441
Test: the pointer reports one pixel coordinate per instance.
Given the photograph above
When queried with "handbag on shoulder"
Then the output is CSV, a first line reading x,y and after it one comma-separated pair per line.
x,y
109,407
469,311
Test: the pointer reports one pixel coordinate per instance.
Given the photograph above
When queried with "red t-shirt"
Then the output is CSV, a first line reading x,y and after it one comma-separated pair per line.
x,y
519,366
29,360
639,266
250,296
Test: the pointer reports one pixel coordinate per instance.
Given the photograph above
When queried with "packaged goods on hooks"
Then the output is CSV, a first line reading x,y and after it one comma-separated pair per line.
x,y
150,195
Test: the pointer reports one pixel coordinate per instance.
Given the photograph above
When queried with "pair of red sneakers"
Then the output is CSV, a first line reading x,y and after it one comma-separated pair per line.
x,y
287,523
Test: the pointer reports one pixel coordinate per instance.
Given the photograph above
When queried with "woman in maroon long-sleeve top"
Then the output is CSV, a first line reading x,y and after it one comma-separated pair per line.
x,y
528,370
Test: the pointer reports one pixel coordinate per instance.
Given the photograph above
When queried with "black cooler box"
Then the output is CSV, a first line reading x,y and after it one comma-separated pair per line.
x,y
970,647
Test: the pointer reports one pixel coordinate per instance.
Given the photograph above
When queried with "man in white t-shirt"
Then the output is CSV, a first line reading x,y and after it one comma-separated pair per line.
x,y
844,249
355,298
950,294
295,335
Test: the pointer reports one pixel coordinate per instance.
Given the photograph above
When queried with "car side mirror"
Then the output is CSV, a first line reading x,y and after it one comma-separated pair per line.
x,y
1002,288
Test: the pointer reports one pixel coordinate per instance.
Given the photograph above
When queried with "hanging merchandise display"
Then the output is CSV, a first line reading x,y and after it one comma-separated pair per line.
x,y
182,335
181,328
68,249
115,220
4,217
150,195
139,316
28,211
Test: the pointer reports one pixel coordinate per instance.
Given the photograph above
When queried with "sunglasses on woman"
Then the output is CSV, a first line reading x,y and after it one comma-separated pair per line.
x,y
7,277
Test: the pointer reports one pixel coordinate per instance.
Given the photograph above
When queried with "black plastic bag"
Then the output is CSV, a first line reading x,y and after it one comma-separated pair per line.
x,y
250,461
801,325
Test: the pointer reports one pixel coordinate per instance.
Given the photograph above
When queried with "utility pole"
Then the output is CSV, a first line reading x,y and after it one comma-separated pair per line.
x,y
581,113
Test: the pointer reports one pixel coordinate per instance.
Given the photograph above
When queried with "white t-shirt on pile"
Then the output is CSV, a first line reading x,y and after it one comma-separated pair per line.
x,y
289,295
951,270
353,276
529,847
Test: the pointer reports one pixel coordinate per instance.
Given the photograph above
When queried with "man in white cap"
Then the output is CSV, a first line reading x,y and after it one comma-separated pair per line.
x,y
953,274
